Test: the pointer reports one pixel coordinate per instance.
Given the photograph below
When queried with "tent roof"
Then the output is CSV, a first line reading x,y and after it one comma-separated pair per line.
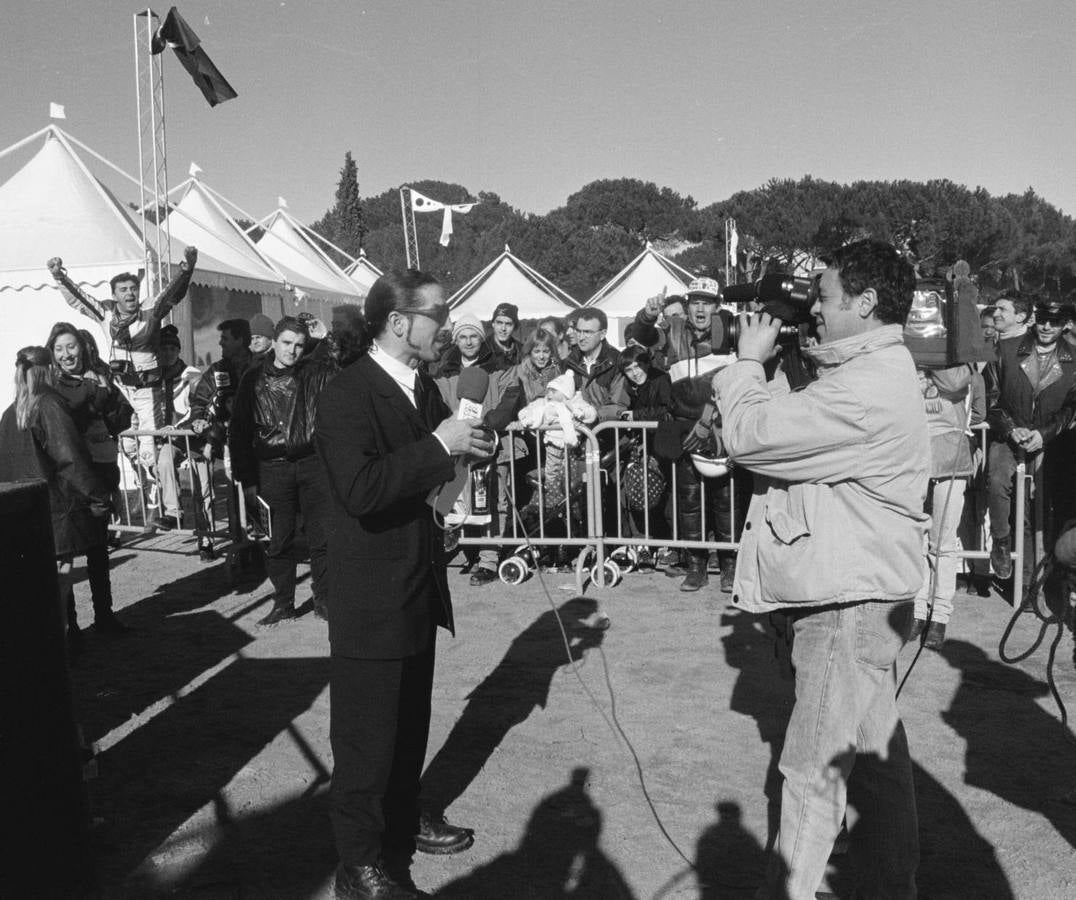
x,y
363,272
509,279
646,275
53,205
304,264
199,219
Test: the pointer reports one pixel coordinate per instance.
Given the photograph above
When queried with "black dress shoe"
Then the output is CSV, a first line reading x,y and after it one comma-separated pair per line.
x,y
368,883
482,576
281,612
107,623
436,836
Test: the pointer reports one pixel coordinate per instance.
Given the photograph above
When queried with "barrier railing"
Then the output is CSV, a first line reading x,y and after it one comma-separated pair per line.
x,y
197,490
609,534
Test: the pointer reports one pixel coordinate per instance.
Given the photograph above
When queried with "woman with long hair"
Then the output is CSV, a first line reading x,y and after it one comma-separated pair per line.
x,y
39,440
100,412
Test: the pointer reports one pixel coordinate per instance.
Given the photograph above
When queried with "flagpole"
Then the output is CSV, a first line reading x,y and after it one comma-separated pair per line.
x,y
407,212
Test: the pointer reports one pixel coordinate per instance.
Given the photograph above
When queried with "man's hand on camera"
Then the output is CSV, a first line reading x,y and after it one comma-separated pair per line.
x,y
758,337
464,436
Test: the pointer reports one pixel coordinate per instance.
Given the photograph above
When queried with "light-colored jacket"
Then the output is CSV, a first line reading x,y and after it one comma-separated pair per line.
x,y
841,476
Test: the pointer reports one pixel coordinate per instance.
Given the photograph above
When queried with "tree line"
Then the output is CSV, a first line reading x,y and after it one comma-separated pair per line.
x,y
1016,240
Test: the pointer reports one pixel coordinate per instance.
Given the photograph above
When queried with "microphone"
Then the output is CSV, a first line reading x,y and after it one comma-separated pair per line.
x,y
471,391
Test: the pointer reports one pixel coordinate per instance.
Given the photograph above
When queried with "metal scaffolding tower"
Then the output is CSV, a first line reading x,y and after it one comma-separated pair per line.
x,y
152,159
407,211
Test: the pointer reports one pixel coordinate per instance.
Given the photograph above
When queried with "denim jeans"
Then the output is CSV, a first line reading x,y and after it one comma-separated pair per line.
x,y
845,746
946,510
1000,469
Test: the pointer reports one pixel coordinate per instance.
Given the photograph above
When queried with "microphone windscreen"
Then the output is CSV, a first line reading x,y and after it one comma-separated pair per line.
x,y
473,384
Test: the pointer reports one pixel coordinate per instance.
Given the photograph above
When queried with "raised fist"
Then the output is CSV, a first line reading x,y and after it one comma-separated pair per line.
x,y
190,257
56,266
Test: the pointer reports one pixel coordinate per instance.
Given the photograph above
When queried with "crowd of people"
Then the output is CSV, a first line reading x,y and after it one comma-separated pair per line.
x,y
850,489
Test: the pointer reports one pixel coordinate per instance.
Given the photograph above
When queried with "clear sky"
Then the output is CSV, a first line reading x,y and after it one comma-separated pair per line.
x,y
534,100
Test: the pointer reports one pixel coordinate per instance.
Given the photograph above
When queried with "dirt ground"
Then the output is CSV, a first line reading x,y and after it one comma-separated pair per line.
x,y
214,760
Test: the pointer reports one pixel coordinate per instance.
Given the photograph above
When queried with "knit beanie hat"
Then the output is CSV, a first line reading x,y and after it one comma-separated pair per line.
x,y
169,336
261,324
468,322
508,310
646,335
565,384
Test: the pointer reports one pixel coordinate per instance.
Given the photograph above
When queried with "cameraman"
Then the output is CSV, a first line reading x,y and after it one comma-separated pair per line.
x,y
834,538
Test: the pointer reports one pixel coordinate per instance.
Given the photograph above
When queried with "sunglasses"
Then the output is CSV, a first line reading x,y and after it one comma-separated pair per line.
x,y
1050,321
439,314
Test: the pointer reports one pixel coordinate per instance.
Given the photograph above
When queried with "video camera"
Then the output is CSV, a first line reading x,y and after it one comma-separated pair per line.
x,y
784,297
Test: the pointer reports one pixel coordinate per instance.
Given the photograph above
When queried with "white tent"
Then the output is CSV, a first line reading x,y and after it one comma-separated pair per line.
x,y
233,280
509,279
319,283
645,276
363,272
53,206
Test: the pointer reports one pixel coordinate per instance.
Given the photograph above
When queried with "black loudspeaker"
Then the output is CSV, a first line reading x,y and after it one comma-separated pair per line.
x,y
47,850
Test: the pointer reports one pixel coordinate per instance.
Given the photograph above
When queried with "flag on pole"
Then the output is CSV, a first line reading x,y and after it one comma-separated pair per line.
x,y
177,34
734,240
446,223
281,203
56,111
422,203
195,170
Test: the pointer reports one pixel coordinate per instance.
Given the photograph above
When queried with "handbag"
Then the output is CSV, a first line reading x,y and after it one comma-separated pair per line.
x,y
643,485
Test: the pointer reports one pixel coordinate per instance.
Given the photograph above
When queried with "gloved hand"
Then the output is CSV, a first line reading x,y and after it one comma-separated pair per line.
x,y
701,432
696,438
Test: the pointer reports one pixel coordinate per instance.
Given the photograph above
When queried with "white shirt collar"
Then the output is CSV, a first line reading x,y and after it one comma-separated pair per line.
x,y
400,372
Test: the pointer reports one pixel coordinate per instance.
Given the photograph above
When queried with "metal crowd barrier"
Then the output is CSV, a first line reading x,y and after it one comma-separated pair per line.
x,y
203,489
608,537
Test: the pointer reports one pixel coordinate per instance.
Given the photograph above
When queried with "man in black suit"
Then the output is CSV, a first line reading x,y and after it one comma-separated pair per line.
x,y
388,443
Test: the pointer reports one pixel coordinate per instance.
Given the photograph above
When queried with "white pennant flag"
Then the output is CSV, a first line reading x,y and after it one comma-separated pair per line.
x,y
281,203
446,224
734,242
422,203
56,111
195,170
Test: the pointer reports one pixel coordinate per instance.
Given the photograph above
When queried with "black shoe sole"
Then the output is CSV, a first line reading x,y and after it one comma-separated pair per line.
x,y
445,849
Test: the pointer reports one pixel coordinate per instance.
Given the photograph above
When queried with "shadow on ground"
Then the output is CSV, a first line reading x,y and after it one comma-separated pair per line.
x,y
558,857
506,697
183,759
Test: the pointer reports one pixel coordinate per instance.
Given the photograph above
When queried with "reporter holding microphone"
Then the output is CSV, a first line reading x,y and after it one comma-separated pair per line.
x,y
387,439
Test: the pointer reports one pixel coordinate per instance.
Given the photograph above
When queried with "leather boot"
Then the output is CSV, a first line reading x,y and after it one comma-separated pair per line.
x,y
680,567
1000,560
368,883
728,573
697,576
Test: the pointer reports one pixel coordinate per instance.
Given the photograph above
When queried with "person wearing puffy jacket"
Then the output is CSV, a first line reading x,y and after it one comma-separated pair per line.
x,y
271,440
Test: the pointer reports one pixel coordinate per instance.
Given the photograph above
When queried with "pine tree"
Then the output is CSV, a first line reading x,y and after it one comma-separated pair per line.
x,y
345,223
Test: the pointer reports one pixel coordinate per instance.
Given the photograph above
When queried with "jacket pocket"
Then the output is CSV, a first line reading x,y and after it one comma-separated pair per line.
x,y
786,513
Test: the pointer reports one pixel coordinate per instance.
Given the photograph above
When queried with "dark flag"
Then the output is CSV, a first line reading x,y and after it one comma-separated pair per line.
x,y
178,35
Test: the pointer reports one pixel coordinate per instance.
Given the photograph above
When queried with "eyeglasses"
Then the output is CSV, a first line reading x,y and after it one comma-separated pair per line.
x,y
439,314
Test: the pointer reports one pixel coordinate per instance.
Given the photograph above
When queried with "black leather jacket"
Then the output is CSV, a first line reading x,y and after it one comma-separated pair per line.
x,y
273,416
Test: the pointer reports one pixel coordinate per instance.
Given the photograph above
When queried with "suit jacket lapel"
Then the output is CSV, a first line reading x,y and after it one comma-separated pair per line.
x,y
387,388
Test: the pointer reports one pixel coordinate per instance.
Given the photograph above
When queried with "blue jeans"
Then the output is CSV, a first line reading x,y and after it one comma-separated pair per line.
x,y
845,746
